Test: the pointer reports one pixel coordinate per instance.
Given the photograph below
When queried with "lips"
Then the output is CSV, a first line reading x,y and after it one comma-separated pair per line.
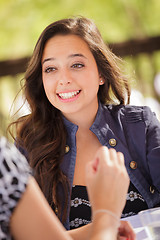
x,y
68,95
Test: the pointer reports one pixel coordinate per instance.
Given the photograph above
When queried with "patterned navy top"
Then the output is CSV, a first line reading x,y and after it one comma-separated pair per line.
x,y
14,175
80,211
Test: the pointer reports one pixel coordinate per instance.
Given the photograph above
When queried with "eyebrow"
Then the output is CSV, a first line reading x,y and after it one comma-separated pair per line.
x,y
76,55
70,56
47,59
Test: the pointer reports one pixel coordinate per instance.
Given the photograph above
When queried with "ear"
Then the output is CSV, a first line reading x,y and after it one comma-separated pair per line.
x,y
101,80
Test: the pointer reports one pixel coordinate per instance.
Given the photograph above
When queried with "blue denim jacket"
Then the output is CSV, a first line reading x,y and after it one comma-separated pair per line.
x,y
135,131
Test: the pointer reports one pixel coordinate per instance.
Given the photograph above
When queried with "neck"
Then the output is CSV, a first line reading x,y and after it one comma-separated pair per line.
x,y
85,118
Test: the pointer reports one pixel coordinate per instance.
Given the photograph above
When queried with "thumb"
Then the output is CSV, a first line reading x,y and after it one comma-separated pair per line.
x,y
91,168
95,164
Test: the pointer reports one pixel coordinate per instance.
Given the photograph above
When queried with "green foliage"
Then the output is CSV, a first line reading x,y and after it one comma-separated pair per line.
x,y
22,21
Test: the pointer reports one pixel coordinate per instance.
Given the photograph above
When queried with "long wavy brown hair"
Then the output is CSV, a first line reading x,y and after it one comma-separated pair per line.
x,y
42,133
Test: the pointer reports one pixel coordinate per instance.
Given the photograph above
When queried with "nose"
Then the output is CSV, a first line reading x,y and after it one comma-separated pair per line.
x,y
65,78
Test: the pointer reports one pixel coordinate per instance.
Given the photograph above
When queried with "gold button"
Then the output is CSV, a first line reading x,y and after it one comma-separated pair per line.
x,y
133,165
67,149
152,189
112,142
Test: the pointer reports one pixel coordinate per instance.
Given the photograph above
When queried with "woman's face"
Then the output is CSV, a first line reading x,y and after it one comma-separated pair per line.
x,y
70,75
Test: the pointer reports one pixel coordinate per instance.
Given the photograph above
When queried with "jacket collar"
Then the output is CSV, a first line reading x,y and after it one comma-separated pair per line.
x,y
98,122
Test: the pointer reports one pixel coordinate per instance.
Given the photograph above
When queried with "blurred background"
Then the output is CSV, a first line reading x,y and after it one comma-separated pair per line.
x,y
131,28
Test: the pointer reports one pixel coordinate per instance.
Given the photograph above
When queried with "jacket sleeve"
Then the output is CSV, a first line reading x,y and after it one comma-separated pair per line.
x,y
14,176
153,146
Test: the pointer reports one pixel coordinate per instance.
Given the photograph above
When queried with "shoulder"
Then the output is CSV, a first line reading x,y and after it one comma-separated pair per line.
x,y
131,113
14,176
12,159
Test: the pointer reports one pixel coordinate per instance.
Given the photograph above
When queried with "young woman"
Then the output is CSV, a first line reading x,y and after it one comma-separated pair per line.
x,y
25,214
77,97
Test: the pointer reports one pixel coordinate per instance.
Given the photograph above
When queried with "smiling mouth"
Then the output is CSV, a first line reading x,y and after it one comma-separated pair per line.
x,y
68,95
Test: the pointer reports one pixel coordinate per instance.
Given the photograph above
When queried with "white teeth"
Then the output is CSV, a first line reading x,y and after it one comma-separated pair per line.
x,y
68,95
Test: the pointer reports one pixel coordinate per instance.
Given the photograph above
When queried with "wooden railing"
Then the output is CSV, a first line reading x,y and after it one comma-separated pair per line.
x,y
128,48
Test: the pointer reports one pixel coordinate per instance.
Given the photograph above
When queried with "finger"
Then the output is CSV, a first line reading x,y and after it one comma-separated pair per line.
x,y
99,157
92,166
95,164
120,158
103,155
126,230
113,155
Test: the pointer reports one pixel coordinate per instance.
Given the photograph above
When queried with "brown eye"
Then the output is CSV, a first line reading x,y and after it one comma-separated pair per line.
x,y
50,69
78,65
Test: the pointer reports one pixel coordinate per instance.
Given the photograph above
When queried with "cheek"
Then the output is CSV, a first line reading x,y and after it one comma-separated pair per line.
x,y
94,79
48,84
47,90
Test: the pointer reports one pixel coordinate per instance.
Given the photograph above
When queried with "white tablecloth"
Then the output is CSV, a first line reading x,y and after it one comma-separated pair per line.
x,y
139,229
